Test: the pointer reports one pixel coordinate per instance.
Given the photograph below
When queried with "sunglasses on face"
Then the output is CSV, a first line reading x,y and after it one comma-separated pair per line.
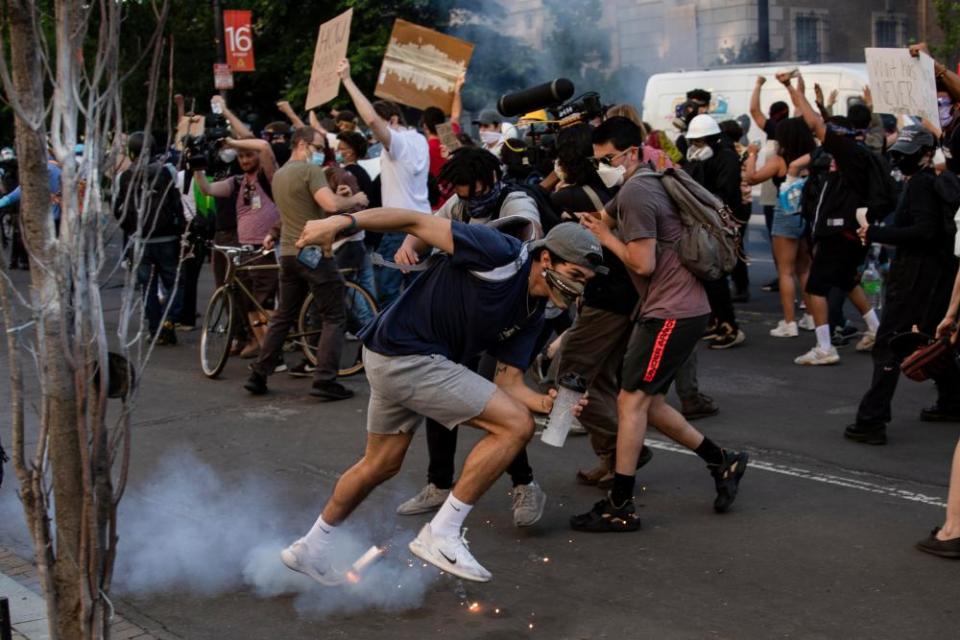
x,y
608,158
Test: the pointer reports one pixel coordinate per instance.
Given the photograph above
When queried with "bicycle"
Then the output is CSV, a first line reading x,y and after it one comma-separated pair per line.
x,y
218,328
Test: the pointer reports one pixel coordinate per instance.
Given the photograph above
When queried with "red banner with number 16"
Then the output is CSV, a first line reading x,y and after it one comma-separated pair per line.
x,y
238,37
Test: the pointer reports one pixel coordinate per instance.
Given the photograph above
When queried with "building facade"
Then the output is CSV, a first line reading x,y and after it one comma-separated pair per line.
x,y
666,35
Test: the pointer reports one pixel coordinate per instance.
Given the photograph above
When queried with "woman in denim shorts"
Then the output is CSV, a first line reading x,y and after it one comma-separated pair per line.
x,y
791,249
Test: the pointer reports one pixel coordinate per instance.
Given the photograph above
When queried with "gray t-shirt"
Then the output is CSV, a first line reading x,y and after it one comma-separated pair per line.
x,y
293,189
644,210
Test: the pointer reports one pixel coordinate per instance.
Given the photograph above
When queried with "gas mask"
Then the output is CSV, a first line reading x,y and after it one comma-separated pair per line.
x,y
565,289
698,152
610,175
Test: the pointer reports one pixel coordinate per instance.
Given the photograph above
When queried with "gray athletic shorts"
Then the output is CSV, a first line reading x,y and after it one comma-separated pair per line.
x,y
406,389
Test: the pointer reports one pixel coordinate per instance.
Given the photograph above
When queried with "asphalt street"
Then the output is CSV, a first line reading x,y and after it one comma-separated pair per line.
x,y
818,545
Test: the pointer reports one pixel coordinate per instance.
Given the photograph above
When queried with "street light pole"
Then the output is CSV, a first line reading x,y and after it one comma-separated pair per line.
x,y
218,38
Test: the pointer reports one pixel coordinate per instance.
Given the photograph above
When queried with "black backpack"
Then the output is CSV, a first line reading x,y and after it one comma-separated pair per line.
x,y
883,193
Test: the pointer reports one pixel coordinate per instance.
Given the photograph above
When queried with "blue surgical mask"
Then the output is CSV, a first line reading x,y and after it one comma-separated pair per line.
x,y
339,158
317,158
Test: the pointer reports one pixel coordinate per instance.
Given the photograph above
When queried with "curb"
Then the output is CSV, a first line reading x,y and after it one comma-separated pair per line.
x,y
20,584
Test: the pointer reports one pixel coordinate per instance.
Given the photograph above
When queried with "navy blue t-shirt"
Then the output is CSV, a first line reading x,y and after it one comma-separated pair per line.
x,y
449,311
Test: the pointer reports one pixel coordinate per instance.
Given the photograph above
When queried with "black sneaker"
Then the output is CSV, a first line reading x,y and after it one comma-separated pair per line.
x,y
740,296
302,370
256,384
867,434
329,391
713,330
842,335
605,518
727,478
727,337
168,335
938,414
772,286
702,406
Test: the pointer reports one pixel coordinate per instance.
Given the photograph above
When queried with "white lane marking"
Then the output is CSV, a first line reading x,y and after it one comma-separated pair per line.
x,y
826,478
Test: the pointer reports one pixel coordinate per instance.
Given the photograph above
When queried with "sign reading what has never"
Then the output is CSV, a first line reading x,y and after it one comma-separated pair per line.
x,y
902,84
332,41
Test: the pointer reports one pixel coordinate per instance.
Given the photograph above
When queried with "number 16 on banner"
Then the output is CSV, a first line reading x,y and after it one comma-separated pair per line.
x,y
238,37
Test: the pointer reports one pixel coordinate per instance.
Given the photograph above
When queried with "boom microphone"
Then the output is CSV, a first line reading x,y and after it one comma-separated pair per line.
x,y
541,96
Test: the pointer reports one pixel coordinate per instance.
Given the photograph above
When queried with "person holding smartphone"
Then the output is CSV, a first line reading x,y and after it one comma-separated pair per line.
x,y
301,193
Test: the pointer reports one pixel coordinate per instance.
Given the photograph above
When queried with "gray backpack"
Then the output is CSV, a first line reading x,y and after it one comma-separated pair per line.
x,y
709,244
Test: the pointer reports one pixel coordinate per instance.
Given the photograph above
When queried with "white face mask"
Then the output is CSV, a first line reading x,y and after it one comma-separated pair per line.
x,y
228,155
611,176
695,152
491,138
558,170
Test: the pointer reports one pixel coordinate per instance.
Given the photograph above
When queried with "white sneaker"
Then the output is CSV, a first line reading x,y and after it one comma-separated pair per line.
x,y
867,341
528,503
429,499
449,554
785,330
818,356
299,557
806,322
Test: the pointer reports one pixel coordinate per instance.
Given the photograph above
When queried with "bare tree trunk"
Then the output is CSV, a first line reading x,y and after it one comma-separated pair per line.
x,y
47,286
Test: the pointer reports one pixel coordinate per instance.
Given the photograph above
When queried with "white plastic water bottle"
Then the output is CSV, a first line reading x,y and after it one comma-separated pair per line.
x,y
872,281
570,389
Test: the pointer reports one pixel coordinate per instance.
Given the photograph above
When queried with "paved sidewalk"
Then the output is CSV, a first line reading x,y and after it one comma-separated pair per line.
x,y
20,584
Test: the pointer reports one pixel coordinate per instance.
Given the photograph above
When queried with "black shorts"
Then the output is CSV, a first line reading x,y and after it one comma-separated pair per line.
x,y
656,351
836,261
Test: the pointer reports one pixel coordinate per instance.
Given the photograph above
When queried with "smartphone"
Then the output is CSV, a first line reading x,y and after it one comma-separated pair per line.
x,y
310,256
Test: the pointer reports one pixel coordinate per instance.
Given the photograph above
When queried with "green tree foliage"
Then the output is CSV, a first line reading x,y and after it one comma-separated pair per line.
x,y
948,19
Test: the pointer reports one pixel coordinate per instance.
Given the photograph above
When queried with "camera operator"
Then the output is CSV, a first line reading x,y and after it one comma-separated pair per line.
x,y
302,194
713,163
404,167
256,215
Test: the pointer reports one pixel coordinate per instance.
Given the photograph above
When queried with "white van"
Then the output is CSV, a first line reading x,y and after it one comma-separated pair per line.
x,y
732,86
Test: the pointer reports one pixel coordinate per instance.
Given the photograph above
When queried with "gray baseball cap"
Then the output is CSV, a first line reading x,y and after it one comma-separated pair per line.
x,y
912,139
575,244
488,116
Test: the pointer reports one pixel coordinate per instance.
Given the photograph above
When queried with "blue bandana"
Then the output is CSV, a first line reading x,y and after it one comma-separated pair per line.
x,y
479,206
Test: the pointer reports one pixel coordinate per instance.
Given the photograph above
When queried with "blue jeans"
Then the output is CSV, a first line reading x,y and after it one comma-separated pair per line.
x,y
159,266
389,281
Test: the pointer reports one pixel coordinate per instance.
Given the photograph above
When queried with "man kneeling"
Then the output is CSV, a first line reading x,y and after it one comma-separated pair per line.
x,y
485,292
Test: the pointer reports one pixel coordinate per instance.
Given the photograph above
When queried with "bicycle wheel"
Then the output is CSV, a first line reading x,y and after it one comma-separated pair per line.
x,y
360,308
217,333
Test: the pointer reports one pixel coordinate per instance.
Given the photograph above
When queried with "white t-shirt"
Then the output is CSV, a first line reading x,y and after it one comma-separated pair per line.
x,y
403,171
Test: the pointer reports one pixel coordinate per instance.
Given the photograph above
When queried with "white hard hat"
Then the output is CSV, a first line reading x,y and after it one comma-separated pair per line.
x,y
702,126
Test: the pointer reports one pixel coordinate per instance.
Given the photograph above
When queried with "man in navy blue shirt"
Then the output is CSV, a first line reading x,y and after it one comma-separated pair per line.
x,y
485,292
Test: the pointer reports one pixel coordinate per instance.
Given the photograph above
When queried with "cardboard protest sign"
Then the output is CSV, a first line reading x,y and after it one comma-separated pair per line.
x,y
902,84
421,66
331,47
447,137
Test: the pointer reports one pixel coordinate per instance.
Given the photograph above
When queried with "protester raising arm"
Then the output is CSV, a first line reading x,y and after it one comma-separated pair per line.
x,y
755,111
814,122
240,130
950,80
379,126
268,162
456,110
284,107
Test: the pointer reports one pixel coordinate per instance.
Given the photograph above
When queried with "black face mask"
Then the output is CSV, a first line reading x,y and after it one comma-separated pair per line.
x,y
908,164
281,151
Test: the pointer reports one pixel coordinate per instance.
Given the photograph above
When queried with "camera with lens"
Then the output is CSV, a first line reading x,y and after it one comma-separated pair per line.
x,y
201,150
